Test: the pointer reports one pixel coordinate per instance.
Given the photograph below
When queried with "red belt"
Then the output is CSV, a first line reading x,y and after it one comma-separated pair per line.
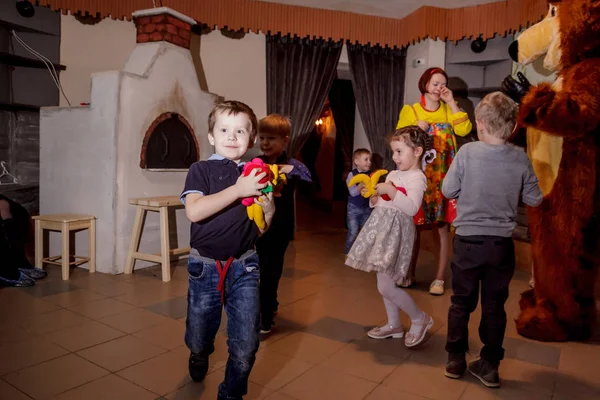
x,y
222,275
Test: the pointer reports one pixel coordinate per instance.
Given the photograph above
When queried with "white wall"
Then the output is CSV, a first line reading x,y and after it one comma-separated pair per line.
x,y
434,54
86,49
236,69
360,136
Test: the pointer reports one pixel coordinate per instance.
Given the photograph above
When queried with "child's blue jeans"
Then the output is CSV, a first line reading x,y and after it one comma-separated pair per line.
x,y
356,218
241,302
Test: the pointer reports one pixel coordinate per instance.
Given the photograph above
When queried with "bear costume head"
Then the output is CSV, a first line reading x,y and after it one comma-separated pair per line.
x,y
563,41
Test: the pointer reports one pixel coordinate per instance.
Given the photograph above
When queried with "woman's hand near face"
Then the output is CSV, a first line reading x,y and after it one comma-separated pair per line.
x,y
446,95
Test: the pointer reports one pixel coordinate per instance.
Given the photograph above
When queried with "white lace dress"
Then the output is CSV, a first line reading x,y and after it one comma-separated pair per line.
x,y
385,243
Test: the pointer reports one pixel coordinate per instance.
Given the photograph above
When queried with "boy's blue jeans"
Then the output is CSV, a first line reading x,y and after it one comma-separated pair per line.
x,y
241,301
356,218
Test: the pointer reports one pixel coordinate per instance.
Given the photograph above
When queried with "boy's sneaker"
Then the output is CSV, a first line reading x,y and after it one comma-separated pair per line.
x,y
456,365
266,327
486,372
198,367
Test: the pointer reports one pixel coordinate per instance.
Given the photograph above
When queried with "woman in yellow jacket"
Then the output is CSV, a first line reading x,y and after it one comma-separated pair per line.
x,y
438,114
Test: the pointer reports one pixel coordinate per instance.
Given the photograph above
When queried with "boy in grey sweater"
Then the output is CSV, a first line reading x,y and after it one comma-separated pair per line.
x,y
487,178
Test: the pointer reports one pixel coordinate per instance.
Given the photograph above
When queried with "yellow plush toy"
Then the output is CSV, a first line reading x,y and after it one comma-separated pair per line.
x,y
370,181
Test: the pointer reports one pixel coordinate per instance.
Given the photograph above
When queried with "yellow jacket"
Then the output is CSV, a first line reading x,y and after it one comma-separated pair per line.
x,y
460,121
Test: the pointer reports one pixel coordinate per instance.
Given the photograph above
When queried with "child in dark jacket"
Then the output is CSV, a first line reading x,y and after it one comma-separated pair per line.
x,y
273,135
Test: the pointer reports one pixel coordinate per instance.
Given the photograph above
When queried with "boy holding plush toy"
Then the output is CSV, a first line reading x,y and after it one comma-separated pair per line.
x,y
273,135
358,209
223,266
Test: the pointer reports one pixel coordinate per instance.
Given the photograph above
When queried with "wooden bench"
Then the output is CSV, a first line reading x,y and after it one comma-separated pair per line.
x,y
161,205
65,223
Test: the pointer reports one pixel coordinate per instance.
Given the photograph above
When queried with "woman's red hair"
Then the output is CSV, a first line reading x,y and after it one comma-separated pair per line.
x,y
426,77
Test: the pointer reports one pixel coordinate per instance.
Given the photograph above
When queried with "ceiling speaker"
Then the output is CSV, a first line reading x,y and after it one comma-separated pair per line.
x,y
478,45
25,8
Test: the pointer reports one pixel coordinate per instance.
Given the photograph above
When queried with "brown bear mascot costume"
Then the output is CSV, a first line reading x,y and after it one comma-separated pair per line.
x,y
564,117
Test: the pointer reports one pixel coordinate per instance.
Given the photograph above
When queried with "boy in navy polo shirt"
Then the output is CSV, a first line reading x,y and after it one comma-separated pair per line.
x,y
223,266
273,135
358,211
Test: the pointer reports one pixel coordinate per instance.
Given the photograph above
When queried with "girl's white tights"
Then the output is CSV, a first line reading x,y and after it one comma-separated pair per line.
x,y
396,298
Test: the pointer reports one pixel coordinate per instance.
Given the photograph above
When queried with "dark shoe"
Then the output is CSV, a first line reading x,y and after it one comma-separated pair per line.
x,y
456,366
486,372
22,281
198,367
220,397
266,327
34,273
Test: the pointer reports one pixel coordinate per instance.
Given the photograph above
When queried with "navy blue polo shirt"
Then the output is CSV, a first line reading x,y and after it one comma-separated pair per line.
x,y
229,233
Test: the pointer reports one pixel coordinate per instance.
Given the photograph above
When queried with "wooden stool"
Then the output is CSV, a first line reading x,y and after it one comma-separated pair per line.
x,y
65,223
161,205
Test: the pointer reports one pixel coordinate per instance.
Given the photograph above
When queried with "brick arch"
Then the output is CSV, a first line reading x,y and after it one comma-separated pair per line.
x,y
152,129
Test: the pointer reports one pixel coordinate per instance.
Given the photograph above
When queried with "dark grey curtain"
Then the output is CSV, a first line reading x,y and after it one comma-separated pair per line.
x,y
299,76
378,81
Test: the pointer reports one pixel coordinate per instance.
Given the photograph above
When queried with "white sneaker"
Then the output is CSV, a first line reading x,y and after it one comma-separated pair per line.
x,y
437,287
384,332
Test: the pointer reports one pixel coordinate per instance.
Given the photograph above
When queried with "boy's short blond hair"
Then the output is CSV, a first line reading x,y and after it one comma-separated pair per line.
x,y
275,124
499,113
233,107
360,152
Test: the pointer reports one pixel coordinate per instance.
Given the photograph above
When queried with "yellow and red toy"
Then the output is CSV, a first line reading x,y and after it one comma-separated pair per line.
x,y
274,181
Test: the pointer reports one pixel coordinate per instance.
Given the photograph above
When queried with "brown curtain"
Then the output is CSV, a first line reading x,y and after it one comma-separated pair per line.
x,y
343,106
299,76
378,81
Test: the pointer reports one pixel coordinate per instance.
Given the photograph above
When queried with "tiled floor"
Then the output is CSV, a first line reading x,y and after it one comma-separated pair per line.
x,y
121,337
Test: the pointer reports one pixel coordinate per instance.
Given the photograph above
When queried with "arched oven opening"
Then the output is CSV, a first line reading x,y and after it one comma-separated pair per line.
x,y
169,144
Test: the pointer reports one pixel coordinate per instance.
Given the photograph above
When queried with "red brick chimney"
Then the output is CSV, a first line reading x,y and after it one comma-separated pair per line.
x,y
163,24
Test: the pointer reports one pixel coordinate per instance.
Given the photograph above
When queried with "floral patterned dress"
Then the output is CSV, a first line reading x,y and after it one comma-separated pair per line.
x,y
443,126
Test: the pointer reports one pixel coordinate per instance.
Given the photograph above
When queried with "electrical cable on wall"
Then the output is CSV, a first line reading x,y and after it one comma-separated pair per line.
x,y
49,64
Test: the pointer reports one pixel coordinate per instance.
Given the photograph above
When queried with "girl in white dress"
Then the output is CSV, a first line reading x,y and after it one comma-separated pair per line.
x,y
385,243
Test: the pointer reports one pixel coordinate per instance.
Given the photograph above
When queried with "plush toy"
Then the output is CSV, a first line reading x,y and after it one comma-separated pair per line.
x,y
370,181
274,181
565,228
